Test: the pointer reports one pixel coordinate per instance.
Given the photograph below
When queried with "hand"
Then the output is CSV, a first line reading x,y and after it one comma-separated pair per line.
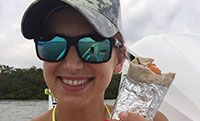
x,y
124,116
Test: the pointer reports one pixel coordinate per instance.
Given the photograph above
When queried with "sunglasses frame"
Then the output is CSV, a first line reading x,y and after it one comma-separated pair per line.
x,y
73,41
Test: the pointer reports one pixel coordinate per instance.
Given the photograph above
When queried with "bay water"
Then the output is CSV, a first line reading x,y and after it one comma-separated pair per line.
x,y
25,110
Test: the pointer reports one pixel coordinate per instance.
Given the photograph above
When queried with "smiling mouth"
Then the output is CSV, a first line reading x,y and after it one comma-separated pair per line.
x,y
75,82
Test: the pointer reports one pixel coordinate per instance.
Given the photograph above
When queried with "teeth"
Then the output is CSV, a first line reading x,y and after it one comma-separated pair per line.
x,y
74,82
70,82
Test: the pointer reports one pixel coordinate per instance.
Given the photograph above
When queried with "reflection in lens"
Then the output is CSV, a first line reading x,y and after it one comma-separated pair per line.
x,y
52,50
92,51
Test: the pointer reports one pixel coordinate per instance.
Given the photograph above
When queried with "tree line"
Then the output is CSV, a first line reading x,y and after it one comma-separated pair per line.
x,y
28,84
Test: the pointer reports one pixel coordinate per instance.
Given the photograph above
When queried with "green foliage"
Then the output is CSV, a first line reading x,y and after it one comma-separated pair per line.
x,y
28,84
21,84
112,90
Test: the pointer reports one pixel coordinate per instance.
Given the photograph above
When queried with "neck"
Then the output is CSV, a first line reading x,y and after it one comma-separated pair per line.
x,y
87,112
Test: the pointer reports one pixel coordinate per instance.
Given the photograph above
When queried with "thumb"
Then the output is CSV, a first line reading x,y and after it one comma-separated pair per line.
x,y
123,116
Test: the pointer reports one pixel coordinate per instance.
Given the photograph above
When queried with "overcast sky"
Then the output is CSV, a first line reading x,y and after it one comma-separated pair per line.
x,y
141,18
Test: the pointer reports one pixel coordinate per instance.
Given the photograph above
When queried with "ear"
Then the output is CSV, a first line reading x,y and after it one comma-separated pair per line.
x,y
118,68
120,60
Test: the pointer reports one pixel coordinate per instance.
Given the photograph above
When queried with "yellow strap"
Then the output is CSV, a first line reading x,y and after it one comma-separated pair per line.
x,y
48,92
108,111
54,114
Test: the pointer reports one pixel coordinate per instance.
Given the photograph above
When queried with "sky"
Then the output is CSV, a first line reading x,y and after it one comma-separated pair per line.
x,y
140,19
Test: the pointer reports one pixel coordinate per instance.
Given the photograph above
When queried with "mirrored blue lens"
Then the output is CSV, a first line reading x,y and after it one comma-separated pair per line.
x,y
52,50
94,51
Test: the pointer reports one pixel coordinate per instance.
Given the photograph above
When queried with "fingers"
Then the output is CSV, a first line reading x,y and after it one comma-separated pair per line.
x,y
124,116
113,120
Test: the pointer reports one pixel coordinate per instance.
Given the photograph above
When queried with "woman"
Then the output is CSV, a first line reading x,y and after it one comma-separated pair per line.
x,y
81,46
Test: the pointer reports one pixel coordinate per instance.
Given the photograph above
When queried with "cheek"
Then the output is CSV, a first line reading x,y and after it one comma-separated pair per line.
x,y
49,70
103,75
104,71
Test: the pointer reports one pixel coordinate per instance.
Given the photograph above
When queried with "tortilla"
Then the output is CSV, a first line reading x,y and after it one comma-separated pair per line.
x,y
139,71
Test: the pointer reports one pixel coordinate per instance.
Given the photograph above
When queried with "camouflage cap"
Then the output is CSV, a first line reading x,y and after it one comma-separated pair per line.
x,y
103,15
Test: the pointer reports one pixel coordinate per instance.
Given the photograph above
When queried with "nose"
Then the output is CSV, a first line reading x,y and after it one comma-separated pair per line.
x,y
72,62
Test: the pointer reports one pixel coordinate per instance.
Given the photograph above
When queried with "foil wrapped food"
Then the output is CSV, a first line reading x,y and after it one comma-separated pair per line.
x,y
142,89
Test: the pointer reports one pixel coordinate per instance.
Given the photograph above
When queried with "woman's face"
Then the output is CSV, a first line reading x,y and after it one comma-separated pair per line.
x,y
72,81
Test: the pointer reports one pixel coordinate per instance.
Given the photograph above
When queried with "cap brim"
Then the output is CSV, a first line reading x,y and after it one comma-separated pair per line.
x,y
33,20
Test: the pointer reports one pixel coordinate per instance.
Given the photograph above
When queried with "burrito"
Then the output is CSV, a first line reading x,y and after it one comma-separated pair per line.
x,y
142,89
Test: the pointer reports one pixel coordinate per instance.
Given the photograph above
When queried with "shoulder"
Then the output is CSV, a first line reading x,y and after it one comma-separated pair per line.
x,y
44,117
160,117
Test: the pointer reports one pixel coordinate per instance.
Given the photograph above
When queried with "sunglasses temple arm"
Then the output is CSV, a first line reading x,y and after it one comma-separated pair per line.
x,y
130,55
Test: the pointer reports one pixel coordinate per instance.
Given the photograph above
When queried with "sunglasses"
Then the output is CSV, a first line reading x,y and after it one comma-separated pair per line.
x,y
90,48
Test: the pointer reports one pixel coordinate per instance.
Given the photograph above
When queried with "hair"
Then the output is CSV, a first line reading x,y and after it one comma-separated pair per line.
x,y
119,37
121,51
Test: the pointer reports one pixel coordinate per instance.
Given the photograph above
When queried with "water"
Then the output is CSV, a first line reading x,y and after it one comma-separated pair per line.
x,y
21,110
25,110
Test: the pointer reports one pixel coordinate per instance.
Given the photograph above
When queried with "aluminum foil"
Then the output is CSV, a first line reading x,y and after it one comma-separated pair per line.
x,y
141,98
